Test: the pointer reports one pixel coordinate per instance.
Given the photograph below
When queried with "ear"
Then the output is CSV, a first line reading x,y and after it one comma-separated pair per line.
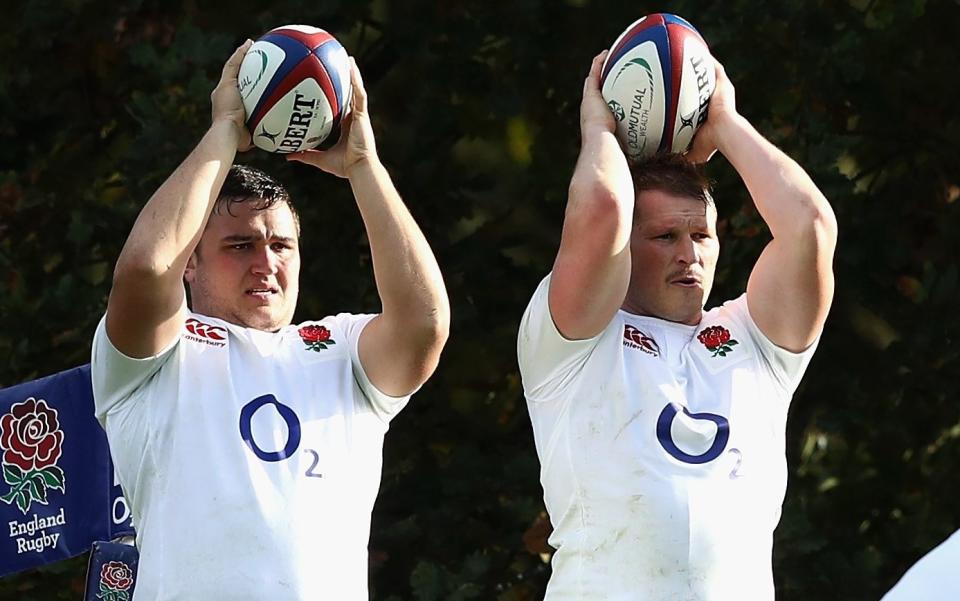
x,y
190,272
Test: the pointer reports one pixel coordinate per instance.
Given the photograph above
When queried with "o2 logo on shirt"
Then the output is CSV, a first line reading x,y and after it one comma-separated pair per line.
x,y
290,418
665,435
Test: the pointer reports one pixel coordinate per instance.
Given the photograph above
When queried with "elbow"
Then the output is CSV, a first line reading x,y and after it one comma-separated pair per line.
x,y
823,225
433,328
428,339
594,191
598,207
817,224
437,327
133,268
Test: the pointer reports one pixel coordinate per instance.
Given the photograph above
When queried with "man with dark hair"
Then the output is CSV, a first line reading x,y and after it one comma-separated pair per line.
x,y
660,426
250,449
248,184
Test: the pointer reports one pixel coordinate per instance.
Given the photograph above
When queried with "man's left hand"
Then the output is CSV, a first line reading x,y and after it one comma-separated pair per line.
x,y
721,109
356,145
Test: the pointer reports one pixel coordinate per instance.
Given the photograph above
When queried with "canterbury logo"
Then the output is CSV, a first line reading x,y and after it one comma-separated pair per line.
x,y
634,338
204,332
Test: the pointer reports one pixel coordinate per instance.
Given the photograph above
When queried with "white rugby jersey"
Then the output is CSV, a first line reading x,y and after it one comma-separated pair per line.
x,y
251,460
662,453
934,577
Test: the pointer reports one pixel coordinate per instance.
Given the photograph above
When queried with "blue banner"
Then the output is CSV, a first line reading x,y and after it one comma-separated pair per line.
x,y
59,493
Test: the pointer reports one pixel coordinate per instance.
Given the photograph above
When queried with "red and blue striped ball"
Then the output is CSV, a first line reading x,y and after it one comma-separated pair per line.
x,y
295,86
657,79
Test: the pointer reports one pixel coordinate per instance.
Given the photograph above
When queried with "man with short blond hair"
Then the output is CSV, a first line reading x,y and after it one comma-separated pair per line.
x,y
660,426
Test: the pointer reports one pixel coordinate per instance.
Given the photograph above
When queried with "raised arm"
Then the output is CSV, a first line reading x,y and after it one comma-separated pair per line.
x,y
147,303
400,348
791,286
592,268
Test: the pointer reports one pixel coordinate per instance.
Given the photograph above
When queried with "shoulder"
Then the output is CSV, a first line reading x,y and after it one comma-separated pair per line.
x,y
117,378
330,336
729,323
539,332
317,334
343,325
550,363
538,328
731,326
723,338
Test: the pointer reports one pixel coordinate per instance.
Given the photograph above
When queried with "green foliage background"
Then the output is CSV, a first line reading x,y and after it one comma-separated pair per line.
x,y
475,106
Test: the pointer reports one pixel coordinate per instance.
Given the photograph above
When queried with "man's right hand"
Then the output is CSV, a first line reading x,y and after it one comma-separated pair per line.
x,y
595,115
226,100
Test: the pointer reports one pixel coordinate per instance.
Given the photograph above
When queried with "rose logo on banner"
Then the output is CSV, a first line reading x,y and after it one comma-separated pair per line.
x,y
315,337
32,441
116,578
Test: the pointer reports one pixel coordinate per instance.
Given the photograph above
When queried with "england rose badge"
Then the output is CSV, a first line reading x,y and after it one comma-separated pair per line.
x,y
32,441
316,337
116,578
717,339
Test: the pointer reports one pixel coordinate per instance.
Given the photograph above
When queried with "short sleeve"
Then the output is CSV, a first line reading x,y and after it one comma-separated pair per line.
x,y
384,405
116,377
548,361
933,578
787,367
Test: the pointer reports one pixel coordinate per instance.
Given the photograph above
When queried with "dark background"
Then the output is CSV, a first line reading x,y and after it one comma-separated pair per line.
x,y
475,107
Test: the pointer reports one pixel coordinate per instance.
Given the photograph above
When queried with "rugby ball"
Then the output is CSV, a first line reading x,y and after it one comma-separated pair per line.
x,y
657,79
295,86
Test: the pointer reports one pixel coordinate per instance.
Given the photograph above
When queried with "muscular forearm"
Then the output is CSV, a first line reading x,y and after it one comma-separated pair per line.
x,y
407,275
147,304
791,286
592,268
170,224
599,214
787,199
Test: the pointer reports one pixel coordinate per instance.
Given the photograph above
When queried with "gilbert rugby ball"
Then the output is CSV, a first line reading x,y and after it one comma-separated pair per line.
x,y
657,80
295,86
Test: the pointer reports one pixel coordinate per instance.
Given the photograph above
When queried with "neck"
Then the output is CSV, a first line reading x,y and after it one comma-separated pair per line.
x,y
636,309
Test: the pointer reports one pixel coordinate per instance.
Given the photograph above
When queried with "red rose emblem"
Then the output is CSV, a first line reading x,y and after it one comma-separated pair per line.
x,y
31,441
315,337
311,334
116,576
30,435
717,339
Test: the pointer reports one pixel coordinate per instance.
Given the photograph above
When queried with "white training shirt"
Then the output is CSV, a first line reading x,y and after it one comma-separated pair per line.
x,y
662,460
934,578
250,461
